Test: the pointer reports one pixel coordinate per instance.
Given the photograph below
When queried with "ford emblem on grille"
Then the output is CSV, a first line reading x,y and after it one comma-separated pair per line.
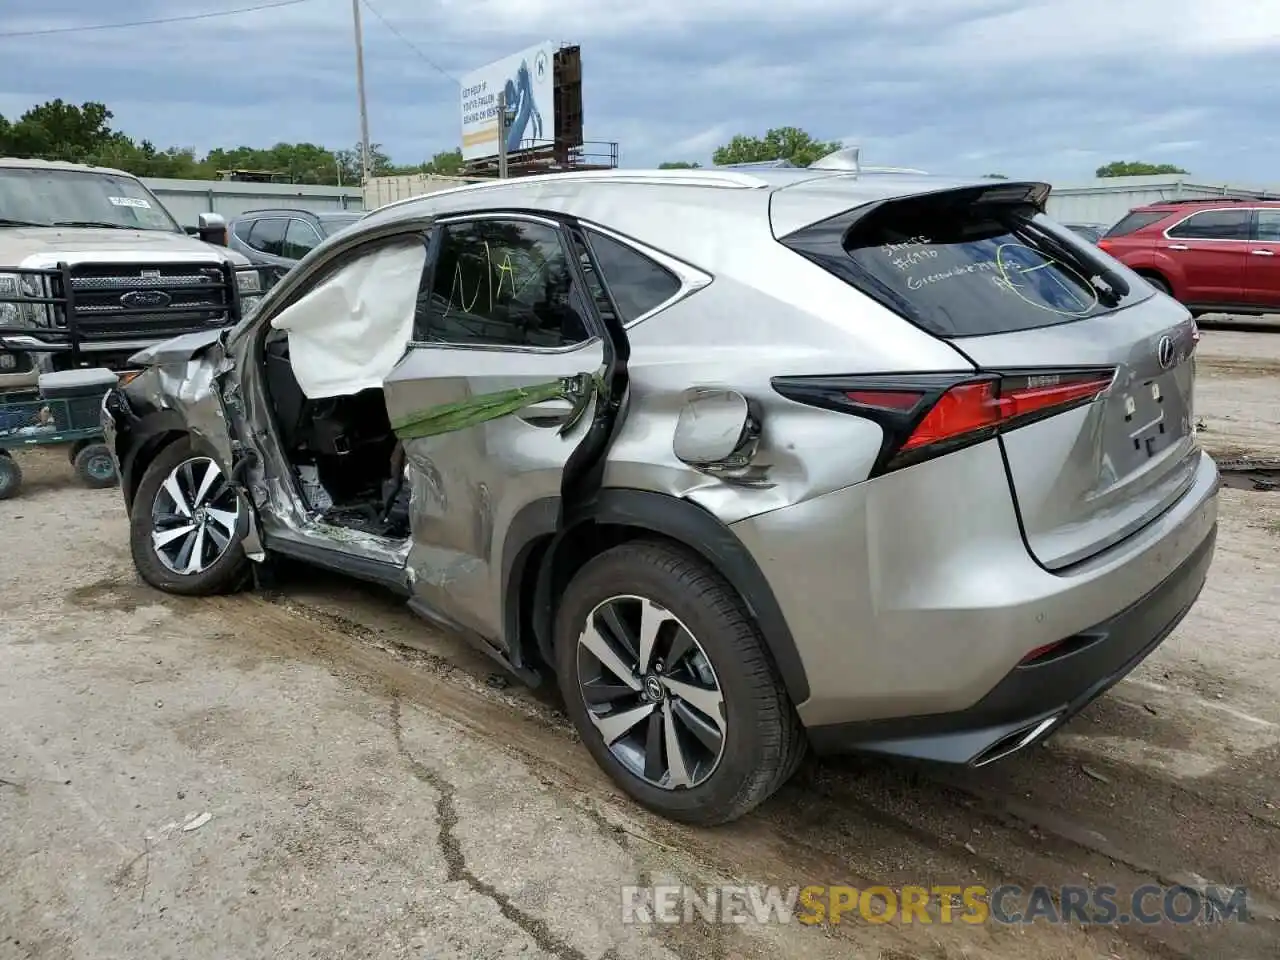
x,y
145,299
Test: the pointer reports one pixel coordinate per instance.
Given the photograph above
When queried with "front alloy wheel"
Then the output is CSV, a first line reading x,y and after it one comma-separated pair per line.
x,y
651,692
187,522
194,517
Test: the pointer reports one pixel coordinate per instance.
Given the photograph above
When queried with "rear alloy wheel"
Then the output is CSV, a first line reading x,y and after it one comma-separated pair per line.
x,y
187,525
95,467
651,693
669,683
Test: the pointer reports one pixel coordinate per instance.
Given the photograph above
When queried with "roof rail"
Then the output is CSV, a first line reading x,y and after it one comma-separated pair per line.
x,y
697,177
757,165
912,171
1242,197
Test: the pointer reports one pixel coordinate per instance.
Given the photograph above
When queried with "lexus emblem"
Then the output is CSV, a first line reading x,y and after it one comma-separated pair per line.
x,y
1164,352
145,299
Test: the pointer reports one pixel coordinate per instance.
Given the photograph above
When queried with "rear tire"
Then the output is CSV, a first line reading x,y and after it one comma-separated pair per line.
x,y
95,467
187,527
677,758
10,476
1160,283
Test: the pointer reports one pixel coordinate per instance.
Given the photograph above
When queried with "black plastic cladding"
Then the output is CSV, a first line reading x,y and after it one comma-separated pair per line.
x,y
584,470
583,475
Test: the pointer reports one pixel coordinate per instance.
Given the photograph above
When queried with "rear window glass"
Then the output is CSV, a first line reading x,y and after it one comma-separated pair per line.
x,y
1133,222
960,270
1090,233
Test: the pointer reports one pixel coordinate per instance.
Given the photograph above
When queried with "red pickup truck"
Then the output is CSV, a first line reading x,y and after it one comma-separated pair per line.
x,y
1215,256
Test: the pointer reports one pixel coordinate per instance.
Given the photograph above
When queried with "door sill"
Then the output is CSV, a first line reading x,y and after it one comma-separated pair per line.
x,y
393,576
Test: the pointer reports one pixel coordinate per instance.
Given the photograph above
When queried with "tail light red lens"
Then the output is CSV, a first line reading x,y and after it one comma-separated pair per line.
x,y
965,408
929,415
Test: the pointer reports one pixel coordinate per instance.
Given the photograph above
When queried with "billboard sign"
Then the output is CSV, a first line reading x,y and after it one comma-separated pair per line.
x,y
527,78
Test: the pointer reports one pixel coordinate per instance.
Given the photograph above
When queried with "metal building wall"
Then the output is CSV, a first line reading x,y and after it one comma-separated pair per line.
x,y
1105,201
379,191
187,199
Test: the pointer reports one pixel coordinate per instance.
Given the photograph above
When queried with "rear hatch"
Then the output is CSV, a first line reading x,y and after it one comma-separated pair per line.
x,y
1033,307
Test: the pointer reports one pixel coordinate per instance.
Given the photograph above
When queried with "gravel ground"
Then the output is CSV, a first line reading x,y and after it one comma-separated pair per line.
x,y
374,789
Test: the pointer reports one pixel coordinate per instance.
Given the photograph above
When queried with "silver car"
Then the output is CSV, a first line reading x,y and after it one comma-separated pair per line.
x,y
745,461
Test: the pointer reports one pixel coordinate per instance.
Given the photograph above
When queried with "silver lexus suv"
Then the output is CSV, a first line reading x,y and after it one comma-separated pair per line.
x,y
746,462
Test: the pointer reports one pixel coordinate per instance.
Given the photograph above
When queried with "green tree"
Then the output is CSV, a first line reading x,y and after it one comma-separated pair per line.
x,y
994,176
679,165
447,163
83,134
1135,168
780,143
57,130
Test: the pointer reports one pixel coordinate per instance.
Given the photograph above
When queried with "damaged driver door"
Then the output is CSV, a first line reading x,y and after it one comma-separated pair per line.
x,y
510,373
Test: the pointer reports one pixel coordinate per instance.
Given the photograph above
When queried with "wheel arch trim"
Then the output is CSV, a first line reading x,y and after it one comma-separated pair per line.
x,y
532,545
142,437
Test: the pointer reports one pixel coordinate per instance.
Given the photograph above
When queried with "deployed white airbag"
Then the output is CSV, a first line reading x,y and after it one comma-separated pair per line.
x,y
348,333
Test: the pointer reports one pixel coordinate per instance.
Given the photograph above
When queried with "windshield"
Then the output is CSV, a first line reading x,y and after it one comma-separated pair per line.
x,y
51,197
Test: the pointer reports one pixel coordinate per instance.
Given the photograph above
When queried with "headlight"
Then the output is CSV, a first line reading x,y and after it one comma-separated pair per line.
x,y
249,280
13,288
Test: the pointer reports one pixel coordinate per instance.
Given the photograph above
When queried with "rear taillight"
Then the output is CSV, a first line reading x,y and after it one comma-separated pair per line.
x,y
1104,244
926,416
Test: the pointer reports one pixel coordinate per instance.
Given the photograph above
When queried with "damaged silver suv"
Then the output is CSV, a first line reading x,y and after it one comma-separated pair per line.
x,y
746,462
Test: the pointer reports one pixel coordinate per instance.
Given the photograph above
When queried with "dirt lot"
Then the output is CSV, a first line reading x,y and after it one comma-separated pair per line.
x,y
376,790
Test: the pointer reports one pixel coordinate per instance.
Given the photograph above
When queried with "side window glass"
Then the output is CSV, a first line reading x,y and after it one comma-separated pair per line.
x,y
595,285
242,229
1268,226
268,236
501,283
637,283
1214,225
299,240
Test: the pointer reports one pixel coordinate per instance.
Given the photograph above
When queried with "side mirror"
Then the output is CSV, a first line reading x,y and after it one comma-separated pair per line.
x,y
212,228
716,429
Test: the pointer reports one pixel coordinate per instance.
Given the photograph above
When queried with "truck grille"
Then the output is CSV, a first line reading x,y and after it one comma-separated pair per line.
x,y
136,301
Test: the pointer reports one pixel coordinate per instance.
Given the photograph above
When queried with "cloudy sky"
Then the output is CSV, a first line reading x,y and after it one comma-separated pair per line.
x,y
1043,88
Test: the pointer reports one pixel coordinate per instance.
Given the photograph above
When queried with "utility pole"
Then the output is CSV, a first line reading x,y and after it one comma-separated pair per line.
x,y
502,134
364,108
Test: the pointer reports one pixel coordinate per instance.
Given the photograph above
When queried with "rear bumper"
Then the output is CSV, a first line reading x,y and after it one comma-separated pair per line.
x,y
1034,700
914,595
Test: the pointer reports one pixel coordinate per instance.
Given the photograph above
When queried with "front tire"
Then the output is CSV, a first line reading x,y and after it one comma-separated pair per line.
x,y
670,685
187,526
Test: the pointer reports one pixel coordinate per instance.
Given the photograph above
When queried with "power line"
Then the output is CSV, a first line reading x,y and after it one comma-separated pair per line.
x,y
409,43
148,23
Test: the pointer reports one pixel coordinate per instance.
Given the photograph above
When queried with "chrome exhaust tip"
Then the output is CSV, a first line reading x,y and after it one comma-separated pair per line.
x,y
1013,742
